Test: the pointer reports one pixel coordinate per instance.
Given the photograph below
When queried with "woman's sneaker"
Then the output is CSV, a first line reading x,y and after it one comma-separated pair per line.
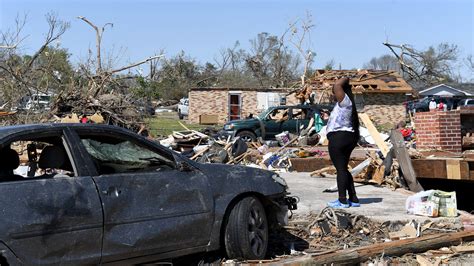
x,y
353,204
338,205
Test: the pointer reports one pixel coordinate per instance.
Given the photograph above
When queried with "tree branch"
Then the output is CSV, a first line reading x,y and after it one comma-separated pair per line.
x,y
135,64
98,34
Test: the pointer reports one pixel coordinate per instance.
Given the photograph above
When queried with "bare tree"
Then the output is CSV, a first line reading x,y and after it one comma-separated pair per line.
x,y
11,39
99,31
102,77
271,61
384,62
470,62
22,72
430,66
301,39
330,64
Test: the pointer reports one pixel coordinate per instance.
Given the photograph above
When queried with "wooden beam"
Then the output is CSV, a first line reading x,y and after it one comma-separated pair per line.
x,y
430,168
453,169
394,248
443,168
404,160
374,133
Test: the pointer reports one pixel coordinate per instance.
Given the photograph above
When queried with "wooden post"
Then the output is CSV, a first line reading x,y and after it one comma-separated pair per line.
x,y
375,134
404,160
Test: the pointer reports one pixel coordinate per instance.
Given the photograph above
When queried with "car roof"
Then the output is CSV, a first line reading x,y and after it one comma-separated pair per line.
x,y
10,130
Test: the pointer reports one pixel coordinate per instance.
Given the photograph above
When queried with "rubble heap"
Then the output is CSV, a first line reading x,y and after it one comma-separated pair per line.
x,y
115,109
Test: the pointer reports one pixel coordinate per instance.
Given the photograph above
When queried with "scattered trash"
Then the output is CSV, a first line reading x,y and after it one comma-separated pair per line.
x,y
432,203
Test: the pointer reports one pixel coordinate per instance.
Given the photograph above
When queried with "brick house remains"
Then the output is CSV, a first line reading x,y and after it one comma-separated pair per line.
x,y
225,104
380,94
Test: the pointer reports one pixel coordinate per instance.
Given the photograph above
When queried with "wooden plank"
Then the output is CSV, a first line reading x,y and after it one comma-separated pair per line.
x,y
208,119
464,169
311,164
461,249
453,169
404,160
394,248
379,174
430,168
442,168
374,133
423,261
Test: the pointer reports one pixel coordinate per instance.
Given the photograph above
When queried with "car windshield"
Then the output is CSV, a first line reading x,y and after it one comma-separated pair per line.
x,y
41,98
124,156
264,114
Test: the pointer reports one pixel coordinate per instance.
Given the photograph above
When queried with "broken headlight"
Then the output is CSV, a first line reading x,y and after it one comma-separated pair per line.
x,y
228,126
277,178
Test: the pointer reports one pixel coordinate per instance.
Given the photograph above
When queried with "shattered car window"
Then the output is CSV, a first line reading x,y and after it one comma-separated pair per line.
x,y
298,113
278,114
38,159
124,156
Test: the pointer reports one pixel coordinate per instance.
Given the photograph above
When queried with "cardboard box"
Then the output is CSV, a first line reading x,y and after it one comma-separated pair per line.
x,y
208,119
447,203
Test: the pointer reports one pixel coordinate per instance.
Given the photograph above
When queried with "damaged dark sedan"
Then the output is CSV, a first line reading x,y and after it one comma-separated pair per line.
x,y
96,194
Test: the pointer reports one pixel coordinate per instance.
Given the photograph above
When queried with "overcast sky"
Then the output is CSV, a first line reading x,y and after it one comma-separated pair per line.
x,y
350,32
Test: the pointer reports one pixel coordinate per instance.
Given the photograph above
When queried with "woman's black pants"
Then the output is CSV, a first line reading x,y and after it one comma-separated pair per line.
x,y
341,145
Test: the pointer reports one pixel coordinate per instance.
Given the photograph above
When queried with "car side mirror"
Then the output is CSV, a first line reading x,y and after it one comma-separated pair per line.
x,y
184,166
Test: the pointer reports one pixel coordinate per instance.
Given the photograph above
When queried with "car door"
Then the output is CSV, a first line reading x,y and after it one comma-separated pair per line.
x,y
52,220
149,211
274,124
299,118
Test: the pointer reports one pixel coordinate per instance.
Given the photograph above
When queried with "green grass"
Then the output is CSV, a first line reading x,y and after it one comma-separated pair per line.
x,y
165,123
386,127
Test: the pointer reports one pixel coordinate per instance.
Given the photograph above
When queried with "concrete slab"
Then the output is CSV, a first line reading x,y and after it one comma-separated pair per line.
x,y
378,203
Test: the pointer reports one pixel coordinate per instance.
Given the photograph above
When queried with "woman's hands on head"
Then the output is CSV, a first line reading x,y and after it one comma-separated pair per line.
x,y
338,88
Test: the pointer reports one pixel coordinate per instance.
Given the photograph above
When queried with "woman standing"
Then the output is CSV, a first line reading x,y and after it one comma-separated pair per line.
x,y
343,135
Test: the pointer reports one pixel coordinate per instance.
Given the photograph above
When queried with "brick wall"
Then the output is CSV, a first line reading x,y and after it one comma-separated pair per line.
x,y
385,108
438,129
208,103
215,102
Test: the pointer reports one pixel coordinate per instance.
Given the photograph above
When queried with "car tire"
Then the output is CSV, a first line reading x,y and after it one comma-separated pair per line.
x,y
247,136
246,231
239,147
180,115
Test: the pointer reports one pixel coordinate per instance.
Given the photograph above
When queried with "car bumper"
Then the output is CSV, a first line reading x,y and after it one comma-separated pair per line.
x,y
282,206
225,134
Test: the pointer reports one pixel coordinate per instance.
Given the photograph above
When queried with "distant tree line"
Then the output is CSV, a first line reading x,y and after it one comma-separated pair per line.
x,y
270,61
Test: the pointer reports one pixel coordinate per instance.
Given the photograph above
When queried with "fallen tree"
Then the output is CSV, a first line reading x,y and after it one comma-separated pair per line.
x,y
394,248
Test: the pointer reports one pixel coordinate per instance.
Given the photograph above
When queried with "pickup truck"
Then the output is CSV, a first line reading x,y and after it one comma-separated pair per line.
x,y
273,121
422,105
183,108
466,102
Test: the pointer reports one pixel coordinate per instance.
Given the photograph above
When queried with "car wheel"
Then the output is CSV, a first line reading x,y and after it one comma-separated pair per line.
x,y
247,136
239,147
180,115
246,232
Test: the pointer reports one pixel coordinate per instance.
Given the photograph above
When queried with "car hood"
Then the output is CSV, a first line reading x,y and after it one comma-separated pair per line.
x,y
244,179
243,121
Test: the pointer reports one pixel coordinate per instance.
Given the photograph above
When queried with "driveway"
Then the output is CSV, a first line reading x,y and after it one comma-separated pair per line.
x,y
379,203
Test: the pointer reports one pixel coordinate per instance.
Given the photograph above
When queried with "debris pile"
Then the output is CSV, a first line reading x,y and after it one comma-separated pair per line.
x,y
384,163
362,80
115,108
336,236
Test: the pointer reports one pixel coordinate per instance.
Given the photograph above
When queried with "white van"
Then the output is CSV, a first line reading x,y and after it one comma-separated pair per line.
x,y
36,102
